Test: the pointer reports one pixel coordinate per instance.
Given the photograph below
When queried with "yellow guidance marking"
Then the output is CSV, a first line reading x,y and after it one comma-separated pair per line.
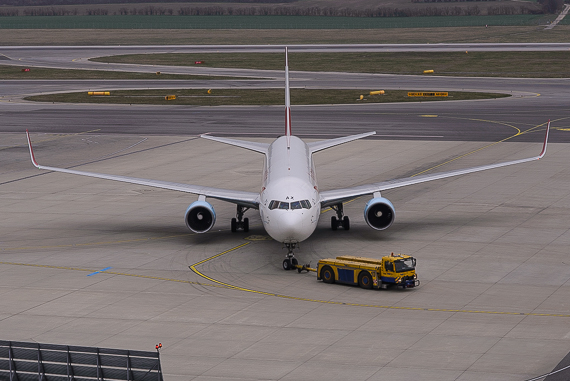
x,y
220,284
112,273
94,243
230,286
519,132
256,238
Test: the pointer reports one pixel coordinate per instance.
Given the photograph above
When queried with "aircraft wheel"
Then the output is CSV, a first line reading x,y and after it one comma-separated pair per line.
x,y
287,265
365,280
334,223
234,225
246,224
346,223
327,274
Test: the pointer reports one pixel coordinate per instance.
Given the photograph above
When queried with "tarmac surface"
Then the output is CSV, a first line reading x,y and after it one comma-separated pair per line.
x,y
492,247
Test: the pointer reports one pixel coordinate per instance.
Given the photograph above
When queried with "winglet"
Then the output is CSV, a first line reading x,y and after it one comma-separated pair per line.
x,y
287,101
34,162
545,141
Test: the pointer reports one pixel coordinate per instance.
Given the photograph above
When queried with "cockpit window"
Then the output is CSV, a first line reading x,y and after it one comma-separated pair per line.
x,y
303,204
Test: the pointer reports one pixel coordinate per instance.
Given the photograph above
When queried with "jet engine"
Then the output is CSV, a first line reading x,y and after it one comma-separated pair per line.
x,y
200,216
379,213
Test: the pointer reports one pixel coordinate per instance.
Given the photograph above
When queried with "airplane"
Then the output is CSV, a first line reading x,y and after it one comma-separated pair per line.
x,y
289,201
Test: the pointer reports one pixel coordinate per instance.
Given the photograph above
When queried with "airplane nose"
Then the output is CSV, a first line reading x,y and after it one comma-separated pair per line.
x,y
291,226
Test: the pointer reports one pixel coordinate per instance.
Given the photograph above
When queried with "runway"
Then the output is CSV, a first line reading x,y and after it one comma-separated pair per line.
x,y
492,247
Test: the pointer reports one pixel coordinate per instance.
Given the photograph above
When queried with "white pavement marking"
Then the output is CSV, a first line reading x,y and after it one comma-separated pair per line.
x,y
560,17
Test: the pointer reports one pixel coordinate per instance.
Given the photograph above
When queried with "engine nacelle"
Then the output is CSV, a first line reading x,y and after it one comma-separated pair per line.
x,y
200,217
379,213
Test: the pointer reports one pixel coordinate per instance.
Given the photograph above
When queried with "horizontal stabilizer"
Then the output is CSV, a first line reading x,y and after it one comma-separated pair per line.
x,y
324,144
253,146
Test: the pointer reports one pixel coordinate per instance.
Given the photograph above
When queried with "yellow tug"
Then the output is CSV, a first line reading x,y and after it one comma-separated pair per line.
x,y
393,270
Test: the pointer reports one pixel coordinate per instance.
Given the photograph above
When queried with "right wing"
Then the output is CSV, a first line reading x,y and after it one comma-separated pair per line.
x,y
336,196
248,199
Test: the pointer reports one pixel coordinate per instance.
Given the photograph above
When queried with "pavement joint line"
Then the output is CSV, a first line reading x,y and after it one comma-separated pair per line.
x,y
112,273
519,132
464,155
94,243
230,286
54,137
219,284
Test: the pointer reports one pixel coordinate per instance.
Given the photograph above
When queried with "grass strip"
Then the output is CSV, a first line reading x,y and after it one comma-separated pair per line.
x,y
89,37
465,64
261,22
227,97
15,72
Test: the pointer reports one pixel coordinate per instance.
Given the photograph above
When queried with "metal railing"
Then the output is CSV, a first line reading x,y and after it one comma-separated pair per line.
x,y
22,361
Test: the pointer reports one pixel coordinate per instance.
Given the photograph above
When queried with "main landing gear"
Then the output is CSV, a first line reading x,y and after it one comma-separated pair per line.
x,y
290,262
340,221
240,223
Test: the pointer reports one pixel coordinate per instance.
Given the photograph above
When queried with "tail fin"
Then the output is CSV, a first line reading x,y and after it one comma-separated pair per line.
x,y
287,101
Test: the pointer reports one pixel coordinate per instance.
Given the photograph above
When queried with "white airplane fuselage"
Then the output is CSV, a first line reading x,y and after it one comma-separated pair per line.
x,y
289,199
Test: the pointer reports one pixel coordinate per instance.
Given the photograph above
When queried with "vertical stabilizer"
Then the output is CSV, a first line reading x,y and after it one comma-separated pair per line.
x,y
287,101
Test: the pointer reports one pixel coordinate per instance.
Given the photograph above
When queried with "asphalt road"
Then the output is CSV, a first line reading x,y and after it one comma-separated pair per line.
x,y
533,101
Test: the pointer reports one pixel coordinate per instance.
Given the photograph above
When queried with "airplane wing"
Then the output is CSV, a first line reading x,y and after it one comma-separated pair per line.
x,y
324,144
333,197
248,199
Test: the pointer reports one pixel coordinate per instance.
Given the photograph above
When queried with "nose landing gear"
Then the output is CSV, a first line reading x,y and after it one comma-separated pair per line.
x,y
290,262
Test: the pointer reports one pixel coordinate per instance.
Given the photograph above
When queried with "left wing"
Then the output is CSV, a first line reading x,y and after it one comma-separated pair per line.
x,y
333,197
248,199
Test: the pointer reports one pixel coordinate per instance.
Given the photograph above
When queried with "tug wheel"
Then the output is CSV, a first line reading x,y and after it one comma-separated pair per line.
x,y
365,280
327,274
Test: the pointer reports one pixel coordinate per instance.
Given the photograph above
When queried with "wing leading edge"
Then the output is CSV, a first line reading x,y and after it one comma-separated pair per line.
x,y
248,199
333,197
